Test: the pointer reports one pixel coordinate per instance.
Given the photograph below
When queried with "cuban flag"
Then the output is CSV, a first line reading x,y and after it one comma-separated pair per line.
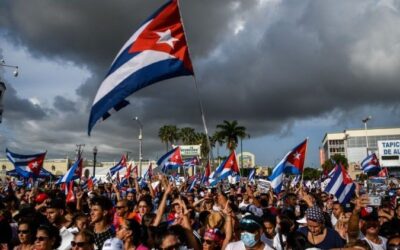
x,y
252,175
27,165
156,51
370,165
383,173
207,173
171,160
277,176
227,168
341,185
294,162
69,175
192,184
120,165
192,162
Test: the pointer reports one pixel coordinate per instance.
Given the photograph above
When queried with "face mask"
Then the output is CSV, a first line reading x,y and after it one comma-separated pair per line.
x,y
248,239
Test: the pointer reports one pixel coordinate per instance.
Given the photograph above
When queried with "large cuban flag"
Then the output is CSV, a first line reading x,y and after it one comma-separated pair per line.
x,y
172,160
69,175
27,165
155,52
227,168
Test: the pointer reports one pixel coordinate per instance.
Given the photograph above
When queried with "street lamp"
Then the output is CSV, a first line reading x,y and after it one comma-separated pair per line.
x,y
365,121
3,64
94,160
140,144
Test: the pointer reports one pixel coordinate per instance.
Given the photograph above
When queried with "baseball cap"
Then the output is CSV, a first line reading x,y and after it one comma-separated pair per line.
x,y
369,214
250,223
348,207
113,244
41,197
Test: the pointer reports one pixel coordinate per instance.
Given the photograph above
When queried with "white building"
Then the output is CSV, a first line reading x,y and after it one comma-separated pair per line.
x,y
352,143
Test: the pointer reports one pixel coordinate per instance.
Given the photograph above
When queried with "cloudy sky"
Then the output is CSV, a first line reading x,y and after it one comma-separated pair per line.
x,y
285,70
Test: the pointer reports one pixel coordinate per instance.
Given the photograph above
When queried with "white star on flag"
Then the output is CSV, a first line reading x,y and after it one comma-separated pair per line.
x,y
297,155
165,37
35,164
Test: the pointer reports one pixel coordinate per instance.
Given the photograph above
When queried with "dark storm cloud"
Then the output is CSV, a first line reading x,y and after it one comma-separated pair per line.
x,y
63,104
265,63
20,109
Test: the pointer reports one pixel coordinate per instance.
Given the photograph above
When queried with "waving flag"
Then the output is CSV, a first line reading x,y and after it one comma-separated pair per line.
x,y
277,175
27,165
252,175
383,173
341,185
69,175
120,165
192,184
135,170
171,160
227,168
294,162
192,162
70,195
128,172
370,165
155,52
207,172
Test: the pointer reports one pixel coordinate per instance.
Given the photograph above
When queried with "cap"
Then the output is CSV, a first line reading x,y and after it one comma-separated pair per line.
x,y
316,214
41,197
113,244
213,234
250,223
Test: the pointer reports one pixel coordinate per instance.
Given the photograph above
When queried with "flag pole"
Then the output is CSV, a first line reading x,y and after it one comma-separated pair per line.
x,y
305,154
210,155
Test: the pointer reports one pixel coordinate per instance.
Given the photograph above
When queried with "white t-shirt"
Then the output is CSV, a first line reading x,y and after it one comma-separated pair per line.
x,y
375,246
66,238
239,245
277,243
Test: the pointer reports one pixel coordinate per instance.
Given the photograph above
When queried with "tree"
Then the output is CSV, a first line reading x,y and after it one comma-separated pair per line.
x,y
201,138
311,174
338,158
188,135
216,140
231,132
168,134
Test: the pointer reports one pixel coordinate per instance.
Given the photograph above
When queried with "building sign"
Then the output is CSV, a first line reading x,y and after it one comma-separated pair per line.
x,y
389,153
190,150
248,160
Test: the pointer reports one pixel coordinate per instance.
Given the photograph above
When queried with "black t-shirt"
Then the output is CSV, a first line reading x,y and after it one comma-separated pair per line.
x,y
332,239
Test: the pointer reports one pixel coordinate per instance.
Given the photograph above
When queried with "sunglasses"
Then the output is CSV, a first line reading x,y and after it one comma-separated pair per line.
x,y
78,244
120,207
41,238
23,231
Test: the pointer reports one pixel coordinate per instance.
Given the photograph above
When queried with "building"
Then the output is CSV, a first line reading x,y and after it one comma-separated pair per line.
x,y
354,145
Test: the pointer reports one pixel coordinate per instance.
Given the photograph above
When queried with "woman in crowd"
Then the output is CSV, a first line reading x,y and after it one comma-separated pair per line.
x,y
47,238
83,240
26,235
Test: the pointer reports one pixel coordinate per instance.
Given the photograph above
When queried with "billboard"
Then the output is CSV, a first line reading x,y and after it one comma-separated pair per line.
x,y
389,153
190,150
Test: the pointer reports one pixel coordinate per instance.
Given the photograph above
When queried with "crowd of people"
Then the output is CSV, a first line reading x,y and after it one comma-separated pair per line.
x,y
167,216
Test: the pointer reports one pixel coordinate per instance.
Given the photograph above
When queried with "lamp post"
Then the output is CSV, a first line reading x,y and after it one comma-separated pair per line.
x,y
140,144
365,121
3,64
94,160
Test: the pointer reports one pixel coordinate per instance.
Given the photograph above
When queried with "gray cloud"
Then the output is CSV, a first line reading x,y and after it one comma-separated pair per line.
x,y
267,64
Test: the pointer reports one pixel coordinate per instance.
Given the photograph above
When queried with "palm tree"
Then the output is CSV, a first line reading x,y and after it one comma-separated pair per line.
x,y
168,134
201,138
217,141
231,132
187,135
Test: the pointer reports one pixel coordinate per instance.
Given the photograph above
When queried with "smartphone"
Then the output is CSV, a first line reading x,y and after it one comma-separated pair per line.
x,y
375,201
